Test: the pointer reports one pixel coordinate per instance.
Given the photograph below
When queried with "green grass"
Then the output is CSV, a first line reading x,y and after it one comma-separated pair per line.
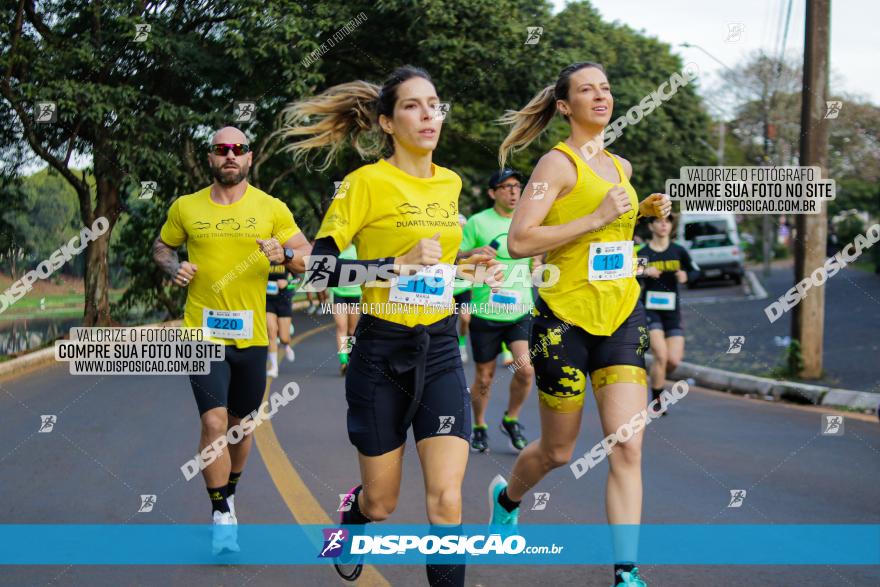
x,y
866,265
56,306
51,300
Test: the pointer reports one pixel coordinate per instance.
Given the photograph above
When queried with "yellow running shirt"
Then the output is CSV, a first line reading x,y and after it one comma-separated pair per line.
x,y
385,212
230,280
597,306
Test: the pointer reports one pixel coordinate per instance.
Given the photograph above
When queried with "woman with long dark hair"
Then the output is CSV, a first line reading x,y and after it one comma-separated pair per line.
x,y
405,369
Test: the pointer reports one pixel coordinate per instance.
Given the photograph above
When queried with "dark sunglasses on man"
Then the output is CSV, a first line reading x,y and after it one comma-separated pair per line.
x,y
238,149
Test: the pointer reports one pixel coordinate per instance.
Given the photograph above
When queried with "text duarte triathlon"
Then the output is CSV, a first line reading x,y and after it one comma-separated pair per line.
x,y
321,267
59,257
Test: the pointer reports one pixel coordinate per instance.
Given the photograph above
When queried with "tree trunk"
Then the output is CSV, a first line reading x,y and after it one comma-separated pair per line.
x,y
97,282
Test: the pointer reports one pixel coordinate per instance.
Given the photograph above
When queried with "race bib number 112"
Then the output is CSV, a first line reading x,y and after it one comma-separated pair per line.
x,y
611,260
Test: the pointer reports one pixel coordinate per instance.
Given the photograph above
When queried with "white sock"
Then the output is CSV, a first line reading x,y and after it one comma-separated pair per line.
x,y
273,361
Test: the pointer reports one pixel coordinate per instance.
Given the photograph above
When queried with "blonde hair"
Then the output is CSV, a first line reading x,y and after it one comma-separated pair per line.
x,y
527,124
344,114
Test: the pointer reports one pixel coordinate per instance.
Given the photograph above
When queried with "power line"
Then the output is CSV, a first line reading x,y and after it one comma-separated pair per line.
x,y
785,35
778,25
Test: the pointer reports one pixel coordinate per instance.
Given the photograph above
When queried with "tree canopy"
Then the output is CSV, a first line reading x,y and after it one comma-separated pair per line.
x,y
142,104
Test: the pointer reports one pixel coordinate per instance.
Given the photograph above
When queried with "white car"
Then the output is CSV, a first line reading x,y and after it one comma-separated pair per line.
x,y
713,243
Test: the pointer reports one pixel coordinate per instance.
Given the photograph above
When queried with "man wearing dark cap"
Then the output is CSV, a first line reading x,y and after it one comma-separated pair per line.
x,y
502,316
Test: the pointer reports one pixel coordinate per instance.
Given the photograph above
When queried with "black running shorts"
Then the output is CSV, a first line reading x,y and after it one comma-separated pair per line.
x,y
669,321
386,364
487,336
279,305
236,383
563,355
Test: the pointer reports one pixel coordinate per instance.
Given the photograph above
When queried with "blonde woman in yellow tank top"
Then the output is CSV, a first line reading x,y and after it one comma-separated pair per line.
x,y
581,211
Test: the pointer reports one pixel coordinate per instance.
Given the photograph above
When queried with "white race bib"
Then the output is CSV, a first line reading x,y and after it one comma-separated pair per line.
x,y
610,260
432,286
272,288
660,300
505,298
228,324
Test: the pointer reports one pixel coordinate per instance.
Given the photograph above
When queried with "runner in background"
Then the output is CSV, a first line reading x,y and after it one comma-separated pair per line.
x,y
462,297
278,316
346,313
668,265
502,317
506,355
293,284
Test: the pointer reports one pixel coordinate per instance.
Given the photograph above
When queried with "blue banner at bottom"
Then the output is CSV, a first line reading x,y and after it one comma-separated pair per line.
x,y
32,544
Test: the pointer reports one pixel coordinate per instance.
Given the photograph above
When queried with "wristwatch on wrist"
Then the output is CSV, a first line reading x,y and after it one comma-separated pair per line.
x,y
288,254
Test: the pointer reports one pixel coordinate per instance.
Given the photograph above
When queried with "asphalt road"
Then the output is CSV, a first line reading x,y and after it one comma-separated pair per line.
x,y
119,437
716,310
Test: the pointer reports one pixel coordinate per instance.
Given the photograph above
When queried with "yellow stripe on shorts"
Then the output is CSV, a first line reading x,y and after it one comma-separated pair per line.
x,y
618,374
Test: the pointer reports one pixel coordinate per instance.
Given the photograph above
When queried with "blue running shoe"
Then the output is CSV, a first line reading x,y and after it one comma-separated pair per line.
x,y
498,515
630,579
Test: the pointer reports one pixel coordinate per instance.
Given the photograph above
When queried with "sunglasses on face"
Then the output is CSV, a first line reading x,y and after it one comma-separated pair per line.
x,y
238,149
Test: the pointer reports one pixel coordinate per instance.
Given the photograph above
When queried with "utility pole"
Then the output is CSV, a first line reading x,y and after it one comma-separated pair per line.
x,y
767,236
808,319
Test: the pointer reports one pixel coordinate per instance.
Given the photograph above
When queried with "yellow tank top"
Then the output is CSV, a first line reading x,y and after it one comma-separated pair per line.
x,y
599,307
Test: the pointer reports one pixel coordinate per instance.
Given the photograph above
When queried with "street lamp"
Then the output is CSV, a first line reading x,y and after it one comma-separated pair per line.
x,y
693,46
765,228
721,123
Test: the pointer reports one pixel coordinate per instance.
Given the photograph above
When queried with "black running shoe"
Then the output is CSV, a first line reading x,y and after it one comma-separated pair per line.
x,y
348,566
656,396
480,439
513,429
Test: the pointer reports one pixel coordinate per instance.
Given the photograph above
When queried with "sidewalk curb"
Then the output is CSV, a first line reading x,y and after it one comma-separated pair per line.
x,y
775,389
46,357
757,290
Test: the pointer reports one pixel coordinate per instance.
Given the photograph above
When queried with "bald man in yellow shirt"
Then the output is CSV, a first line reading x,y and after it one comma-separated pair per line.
x,y
233,233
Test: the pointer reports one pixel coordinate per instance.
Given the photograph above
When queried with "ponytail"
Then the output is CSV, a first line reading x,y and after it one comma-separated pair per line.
x,y
527,124
342,114
345,114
